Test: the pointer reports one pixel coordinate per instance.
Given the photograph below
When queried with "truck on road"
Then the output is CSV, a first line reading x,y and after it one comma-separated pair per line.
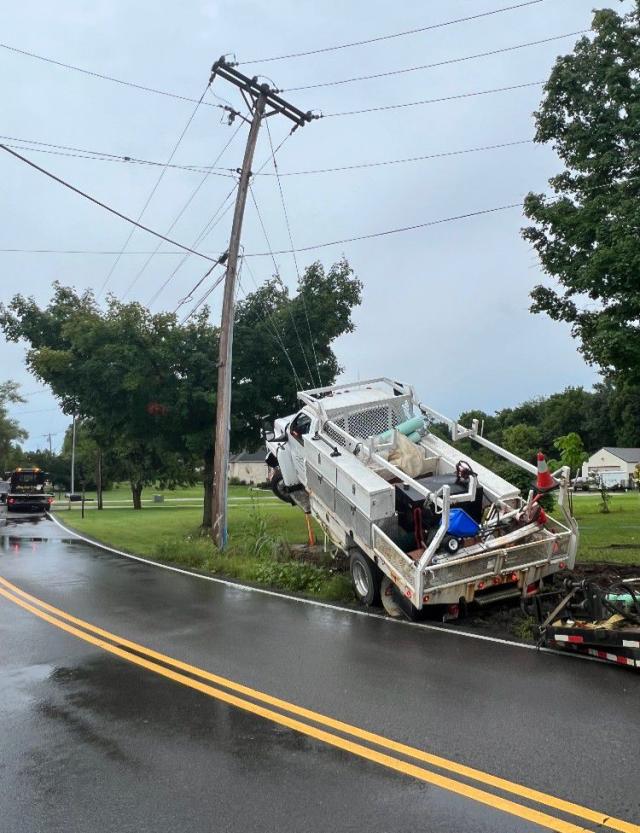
x,y
419,520
30,490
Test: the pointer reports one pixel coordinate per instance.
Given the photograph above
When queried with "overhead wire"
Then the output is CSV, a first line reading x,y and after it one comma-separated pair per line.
x,y
446,62
295,259
379,38
153,190
182,211
405,159
423,101
387,232
104,77
230,173
108,208
104,156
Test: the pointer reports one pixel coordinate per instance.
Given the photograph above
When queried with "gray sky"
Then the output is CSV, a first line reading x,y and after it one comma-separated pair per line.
x,y
445,308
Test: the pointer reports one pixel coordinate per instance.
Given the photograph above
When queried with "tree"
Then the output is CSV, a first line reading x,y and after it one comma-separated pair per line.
x,y
587,235
571,450
523,440
145,386
113,369
10,431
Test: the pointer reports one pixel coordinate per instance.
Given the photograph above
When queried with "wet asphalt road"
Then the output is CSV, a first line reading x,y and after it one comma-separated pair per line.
x,y
91,742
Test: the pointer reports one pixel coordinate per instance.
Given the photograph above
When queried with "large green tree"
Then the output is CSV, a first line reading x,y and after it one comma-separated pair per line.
x,y
145,385
587,233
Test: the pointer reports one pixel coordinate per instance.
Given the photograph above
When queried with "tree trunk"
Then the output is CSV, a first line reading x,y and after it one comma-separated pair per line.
x,y
99,479
136,493
207,479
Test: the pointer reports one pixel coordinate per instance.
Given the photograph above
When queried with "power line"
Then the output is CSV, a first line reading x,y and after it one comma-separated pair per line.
x,y
387,232
384,162
104,77
391,36
435,64
182,210
103,156
230,173
103,205
86,252
433,100
295,259
153,191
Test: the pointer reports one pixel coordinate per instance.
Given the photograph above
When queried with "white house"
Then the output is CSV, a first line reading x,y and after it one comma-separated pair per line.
x,y
610,458
248,467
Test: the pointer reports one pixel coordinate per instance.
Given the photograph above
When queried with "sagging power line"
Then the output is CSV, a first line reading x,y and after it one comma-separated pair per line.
x,y
446,62
379,38
101,204
382,107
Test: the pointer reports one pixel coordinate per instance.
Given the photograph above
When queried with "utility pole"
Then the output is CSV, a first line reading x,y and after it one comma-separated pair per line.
x,y
73,456
258,97
50,444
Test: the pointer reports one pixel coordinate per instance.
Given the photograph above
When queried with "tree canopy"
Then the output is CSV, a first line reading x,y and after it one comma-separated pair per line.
x,y
586,235
144,385
10,431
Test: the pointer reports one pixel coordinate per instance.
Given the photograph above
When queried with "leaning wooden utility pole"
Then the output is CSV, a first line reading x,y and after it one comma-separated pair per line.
x,y
258,97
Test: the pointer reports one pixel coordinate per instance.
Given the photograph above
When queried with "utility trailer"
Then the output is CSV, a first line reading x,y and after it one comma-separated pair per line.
x,y
30,490
597,617
419,520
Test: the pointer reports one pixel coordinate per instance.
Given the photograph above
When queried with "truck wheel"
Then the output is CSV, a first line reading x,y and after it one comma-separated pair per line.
x,y
278,488
366,578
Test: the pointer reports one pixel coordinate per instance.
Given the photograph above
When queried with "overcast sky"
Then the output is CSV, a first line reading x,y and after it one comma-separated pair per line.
x,y
445,307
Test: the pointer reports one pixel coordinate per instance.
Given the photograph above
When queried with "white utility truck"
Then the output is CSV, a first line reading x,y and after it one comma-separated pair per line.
x,y
420,521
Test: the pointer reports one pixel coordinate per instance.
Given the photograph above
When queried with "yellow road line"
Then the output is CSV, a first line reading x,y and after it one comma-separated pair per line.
x,y
443,763
491,800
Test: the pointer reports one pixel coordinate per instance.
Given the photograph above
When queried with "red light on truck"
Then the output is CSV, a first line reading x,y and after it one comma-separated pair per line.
x,y
426,598
532,588
514,576
480,585
562,565
497,580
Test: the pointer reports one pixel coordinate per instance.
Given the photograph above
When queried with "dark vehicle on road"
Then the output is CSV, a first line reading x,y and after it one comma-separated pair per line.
x,y
30,490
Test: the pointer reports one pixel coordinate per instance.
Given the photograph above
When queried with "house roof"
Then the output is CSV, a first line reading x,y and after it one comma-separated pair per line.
x,y
248,457
629,455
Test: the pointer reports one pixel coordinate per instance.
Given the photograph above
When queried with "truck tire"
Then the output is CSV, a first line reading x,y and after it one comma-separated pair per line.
x,y
279,489
366,578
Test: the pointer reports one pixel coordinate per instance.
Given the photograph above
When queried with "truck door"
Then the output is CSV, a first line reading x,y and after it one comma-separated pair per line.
x,y
298,430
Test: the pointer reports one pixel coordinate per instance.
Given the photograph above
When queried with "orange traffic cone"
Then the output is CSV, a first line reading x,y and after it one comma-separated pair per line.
x,y
544,481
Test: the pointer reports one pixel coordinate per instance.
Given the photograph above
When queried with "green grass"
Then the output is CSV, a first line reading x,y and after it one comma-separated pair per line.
x,y
260,534
612,537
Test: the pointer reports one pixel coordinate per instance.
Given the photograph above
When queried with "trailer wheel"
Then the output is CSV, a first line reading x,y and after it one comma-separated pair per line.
x,y
278,487
366,578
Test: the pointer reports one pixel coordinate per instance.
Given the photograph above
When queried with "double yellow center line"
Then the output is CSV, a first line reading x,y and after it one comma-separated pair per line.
x,y
315,725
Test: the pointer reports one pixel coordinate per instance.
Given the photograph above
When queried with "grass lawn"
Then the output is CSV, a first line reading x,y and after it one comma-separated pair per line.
x,y
613,537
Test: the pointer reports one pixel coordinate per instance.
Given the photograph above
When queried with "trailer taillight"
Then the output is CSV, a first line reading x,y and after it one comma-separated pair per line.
x,y
480,585
562,565
425,599
11,500
514,576
497,579
533,588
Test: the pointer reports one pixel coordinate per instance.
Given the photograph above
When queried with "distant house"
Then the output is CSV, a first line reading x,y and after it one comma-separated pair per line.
x,y
610,458
248,467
